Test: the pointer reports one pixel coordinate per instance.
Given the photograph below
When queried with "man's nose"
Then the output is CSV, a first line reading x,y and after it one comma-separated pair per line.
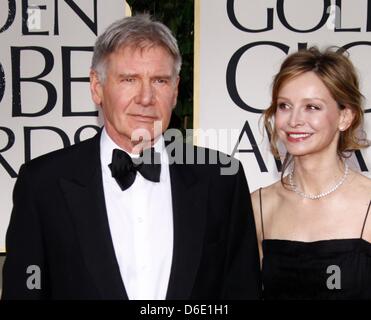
x,y
146,94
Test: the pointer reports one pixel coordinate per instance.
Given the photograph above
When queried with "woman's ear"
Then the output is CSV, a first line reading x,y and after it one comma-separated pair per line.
x,y
346,118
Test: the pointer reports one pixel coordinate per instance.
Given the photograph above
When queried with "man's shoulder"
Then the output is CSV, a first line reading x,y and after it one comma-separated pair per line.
x,y
63,159
194,154
214,157
207,161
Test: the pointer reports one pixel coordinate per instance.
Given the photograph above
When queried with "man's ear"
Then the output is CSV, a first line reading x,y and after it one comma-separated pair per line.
x,y
346,118
96,89
176,90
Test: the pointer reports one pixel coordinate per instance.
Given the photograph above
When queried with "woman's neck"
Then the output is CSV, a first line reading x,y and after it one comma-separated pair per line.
x,y
314,175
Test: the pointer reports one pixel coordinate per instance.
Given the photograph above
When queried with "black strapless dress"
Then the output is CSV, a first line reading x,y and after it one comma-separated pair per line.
x,y
329,269
326,269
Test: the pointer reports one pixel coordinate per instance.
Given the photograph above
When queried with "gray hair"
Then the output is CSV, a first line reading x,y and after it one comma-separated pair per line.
x,y
138,31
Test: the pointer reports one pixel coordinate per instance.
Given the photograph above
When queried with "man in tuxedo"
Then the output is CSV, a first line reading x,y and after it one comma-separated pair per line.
x,y
97,220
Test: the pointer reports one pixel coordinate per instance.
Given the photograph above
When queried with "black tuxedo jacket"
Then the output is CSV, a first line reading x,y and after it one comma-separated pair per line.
x,y
59,224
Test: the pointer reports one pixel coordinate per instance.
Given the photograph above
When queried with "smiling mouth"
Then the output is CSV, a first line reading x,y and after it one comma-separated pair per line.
x,y
298,136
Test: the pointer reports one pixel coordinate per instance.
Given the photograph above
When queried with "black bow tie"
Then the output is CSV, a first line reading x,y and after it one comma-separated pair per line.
x,y
124,169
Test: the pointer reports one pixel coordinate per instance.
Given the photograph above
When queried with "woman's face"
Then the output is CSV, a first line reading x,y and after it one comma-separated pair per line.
x,y
308,119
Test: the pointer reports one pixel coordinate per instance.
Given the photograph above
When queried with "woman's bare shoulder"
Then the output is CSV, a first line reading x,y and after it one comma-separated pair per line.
x,y
268,190
265,203
268,193
366,181
361,184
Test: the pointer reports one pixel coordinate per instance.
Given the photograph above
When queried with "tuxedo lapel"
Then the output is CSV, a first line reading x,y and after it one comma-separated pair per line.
x,y
85,197
189,214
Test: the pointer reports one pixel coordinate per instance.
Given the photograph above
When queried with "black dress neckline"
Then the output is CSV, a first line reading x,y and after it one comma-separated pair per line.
x,y
333,246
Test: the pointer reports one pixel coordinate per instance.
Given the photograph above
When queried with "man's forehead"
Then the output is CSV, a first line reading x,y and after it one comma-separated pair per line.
x,y
126,57
142,48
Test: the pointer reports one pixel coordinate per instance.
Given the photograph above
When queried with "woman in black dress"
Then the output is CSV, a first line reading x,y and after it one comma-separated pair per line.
x,y
313,231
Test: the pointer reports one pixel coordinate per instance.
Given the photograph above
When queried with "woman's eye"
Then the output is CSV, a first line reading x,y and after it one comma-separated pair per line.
x,y
283,106
313,107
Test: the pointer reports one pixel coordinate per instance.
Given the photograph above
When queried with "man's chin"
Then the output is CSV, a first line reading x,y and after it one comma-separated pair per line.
x,y
139,146
146,133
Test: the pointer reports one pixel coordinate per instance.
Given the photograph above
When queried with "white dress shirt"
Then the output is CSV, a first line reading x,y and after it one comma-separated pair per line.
x,y
141,224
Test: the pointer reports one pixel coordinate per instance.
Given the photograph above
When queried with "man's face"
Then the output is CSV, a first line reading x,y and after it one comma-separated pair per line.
x,y
140,88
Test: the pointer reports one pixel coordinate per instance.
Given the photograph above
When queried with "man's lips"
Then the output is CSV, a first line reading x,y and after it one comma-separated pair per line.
x,y
298,136
143,118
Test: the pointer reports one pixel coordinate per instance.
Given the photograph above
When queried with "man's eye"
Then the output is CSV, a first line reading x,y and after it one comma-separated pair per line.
x,y
128,80
160,81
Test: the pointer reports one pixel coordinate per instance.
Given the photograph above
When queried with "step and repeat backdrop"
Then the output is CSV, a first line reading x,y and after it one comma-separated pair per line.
x,y
46,48
239,48
45,53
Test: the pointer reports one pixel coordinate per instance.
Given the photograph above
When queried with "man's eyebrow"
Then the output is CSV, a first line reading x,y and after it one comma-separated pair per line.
x,y
135,75
163,76
128,74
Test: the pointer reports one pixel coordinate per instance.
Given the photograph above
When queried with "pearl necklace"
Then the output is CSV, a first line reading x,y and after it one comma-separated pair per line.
x,y
322,194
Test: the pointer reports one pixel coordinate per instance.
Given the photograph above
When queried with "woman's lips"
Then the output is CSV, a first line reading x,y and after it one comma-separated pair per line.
x,y
298,136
